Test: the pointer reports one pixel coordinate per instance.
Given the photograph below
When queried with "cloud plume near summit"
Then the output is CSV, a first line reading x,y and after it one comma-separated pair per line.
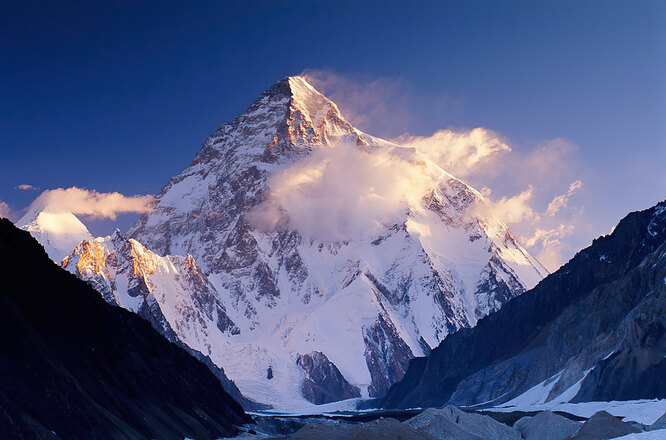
x,y
344,193
535,190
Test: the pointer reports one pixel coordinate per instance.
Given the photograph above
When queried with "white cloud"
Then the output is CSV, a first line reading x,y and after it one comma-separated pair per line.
x,y
515,209
542,233
521,187
459,152
562,201
344,193
548,235
92,203
25,187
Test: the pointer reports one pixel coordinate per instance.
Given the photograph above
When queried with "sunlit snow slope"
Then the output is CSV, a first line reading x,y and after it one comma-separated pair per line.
x,y
58,231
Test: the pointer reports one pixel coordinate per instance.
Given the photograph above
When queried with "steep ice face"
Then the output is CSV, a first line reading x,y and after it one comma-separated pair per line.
x,y
59,232
367,304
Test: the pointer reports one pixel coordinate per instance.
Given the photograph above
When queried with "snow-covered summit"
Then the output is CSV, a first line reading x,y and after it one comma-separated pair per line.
x,y
59,231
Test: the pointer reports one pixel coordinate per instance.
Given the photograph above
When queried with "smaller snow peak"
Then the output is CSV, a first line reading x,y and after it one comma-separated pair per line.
x,y
58,232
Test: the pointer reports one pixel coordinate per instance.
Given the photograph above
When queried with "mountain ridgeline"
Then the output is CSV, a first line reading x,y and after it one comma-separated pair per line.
x,y
595,330
75,367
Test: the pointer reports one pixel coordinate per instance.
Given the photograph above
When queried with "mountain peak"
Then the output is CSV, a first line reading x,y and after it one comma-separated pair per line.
x,y
58,231
291,115
304,94
298,90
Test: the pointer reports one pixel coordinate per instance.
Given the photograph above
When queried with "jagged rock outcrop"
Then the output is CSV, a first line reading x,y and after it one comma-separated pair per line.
x,y
386,355
602,311
75,367
323,382
436,267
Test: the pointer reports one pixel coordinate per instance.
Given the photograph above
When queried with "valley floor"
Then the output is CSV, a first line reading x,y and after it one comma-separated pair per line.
x,y
337,420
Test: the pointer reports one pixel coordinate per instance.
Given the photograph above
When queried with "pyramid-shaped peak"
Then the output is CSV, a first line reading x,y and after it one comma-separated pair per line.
x,y
304,95
294,86
302,89
292,115
301,96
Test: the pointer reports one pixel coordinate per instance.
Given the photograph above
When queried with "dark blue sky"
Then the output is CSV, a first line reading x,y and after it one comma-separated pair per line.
x,y
119,96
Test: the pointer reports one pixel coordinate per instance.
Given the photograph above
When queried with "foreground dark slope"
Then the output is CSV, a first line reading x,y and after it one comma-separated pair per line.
x,y
74,367
603,299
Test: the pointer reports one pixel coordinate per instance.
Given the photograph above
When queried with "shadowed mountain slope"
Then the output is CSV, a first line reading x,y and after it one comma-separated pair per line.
x,y
74,367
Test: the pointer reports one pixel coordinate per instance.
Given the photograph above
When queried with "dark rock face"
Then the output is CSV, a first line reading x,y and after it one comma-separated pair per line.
x,y
567,324
637,372
323,381
74,365
386,355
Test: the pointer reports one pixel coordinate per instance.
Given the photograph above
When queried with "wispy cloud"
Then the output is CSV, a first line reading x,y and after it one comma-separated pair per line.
x,y
459,152
544,233
550,244
25,187
92,203
379,105
562,201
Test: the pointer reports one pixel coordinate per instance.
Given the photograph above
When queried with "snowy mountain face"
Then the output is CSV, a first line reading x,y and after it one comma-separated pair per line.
x,y
280,309
58,231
